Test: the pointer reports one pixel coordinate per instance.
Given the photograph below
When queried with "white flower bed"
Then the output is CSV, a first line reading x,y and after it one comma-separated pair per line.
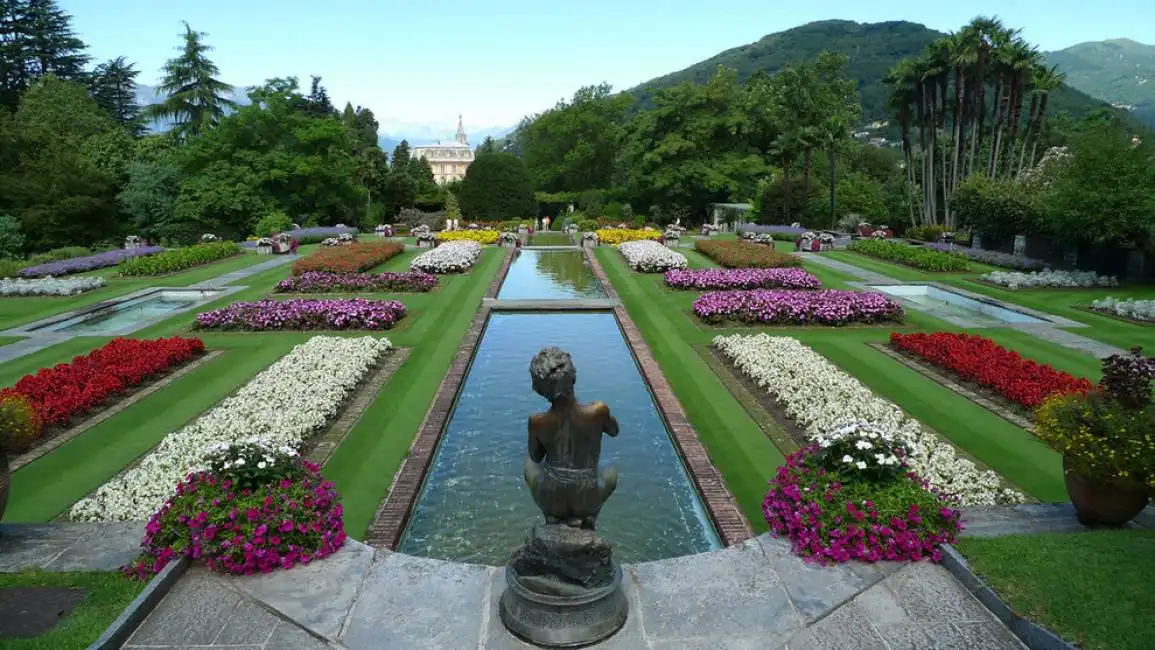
x,y
649,256
1050,279
49,286
821,399
451,257
283,405
1130,308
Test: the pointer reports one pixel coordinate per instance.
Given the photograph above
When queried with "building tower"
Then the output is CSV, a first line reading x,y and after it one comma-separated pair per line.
x,y
461,132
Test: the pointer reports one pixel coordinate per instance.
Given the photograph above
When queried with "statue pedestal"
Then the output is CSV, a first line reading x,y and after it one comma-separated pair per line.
x,y
563,589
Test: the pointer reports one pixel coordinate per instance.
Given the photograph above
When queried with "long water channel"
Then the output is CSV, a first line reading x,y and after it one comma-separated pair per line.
x,y
474,505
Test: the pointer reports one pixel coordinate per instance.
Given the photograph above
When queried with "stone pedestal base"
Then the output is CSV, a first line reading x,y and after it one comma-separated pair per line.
x,y
563,589
563,621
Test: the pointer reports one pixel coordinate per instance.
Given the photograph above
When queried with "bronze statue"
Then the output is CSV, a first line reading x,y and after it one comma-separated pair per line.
x,y
562,467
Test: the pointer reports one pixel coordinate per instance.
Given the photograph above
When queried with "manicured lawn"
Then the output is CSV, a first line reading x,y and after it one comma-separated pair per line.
x,y
1093,589
7,340
740,450
1068,303
106,596
362,467
670,328
18,311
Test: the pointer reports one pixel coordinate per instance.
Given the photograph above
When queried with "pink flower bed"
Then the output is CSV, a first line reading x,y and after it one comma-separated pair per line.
x,y
295,520
792,307
831,516
777,278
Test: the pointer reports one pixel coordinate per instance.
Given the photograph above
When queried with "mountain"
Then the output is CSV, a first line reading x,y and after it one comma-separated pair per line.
x,y
1119,71
873,49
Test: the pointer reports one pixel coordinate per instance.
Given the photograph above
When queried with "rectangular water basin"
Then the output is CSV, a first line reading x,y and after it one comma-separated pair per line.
x,y
474,505
118,316
950,305
550,275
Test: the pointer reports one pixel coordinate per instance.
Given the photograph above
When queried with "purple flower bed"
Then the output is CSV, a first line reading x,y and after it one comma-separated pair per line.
x,y
311,235
272,315
790,307
87,263
325,282
783,278
994,258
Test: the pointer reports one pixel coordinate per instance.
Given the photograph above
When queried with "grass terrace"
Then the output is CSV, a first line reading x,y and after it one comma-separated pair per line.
x,y
105,595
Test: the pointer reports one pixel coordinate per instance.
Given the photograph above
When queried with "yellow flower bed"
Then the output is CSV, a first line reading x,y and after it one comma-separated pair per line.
x,y
614,236
482,237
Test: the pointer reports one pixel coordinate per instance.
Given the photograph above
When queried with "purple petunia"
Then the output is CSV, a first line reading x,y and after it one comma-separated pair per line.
x,y
272,315
791,307
88,262
326,282
994,258
785,278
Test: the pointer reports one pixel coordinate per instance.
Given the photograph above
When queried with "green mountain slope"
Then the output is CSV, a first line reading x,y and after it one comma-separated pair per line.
x,y
1119,71
873,49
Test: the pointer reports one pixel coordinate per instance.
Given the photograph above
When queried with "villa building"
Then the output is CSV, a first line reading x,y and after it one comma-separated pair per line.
x,y
449,161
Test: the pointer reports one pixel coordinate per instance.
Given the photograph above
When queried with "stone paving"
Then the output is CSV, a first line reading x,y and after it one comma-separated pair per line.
x,y
756,595
1032,518
240,274
1047,332
69,546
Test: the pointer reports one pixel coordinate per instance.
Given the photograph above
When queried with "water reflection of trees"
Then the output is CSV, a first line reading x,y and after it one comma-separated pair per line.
x,y
569,269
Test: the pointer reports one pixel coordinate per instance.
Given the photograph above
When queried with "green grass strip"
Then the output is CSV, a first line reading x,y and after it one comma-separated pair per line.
x,y
364,465
1093,588
50,485
739,449
106,595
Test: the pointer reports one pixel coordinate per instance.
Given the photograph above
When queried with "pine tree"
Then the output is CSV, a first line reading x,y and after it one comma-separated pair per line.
x,y
36,38
318,99
452,207
400,159
195,96
366,127
113,86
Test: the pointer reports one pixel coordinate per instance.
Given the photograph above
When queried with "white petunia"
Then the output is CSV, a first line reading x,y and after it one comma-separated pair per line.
x,y
50,286
1049,279
283,405
649,256
455,256
860,464
262,465
826,402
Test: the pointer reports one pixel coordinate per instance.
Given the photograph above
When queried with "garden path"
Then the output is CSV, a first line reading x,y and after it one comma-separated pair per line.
x,y
753,595
69,546
1046,331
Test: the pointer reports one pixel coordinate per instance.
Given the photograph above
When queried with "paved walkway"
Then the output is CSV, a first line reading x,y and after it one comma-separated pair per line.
x,y
69,546
233,276
1031,518
756,595
1047,332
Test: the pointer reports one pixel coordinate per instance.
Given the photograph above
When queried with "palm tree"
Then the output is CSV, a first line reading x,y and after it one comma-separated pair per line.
x,y
901,79
195,98
989,33
963,50
1043,82
1022,59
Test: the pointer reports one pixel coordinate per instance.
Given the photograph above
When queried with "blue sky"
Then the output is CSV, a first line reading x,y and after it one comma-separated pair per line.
x,y
421,62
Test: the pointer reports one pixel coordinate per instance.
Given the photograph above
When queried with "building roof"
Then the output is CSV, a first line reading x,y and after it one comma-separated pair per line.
x,y
442,145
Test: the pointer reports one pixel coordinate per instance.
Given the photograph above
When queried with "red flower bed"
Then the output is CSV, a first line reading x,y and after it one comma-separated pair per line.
x,y
981,360
66,390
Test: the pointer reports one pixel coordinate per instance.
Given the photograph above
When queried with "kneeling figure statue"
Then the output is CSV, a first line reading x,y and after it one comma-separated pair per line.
x,y
564,589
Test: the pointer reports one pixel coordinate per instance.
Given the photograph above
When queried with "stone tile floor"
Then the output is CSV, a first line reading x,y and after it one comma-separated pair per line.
x,y
755,595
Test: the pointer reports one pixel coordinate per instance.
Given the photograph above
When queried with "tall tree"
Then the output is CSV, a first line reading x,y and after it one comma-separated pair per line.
x,y
400,159
496,186
36,39
113,86
195,97
574,146
318,100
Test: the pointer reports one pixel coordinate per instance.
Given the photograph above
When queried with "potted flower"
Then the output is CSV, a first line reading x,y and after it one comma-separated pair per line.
x,y
384,230
1105,437
19,427
209,238
590,239
132,241
265,246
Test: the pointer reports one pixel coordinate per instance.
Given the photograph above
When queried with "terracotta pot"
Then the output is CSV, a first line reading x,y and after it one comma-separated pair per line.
x,y
5,481
1103,504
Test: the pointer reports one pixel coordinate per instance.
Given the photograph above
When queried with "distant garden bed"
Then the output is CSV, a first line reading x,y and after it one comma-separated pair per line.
x,y
349,258
736,254
912,256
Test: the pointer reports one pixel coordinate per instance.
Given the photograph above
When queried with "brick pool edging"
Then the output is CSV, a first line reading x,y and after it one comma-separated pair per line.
x,y
393,514
728,519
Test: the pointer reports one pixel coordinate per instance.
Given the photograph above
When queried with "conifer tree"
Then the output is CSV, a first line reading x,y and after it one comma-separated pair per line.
x,y
36,39
195,97
113,86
